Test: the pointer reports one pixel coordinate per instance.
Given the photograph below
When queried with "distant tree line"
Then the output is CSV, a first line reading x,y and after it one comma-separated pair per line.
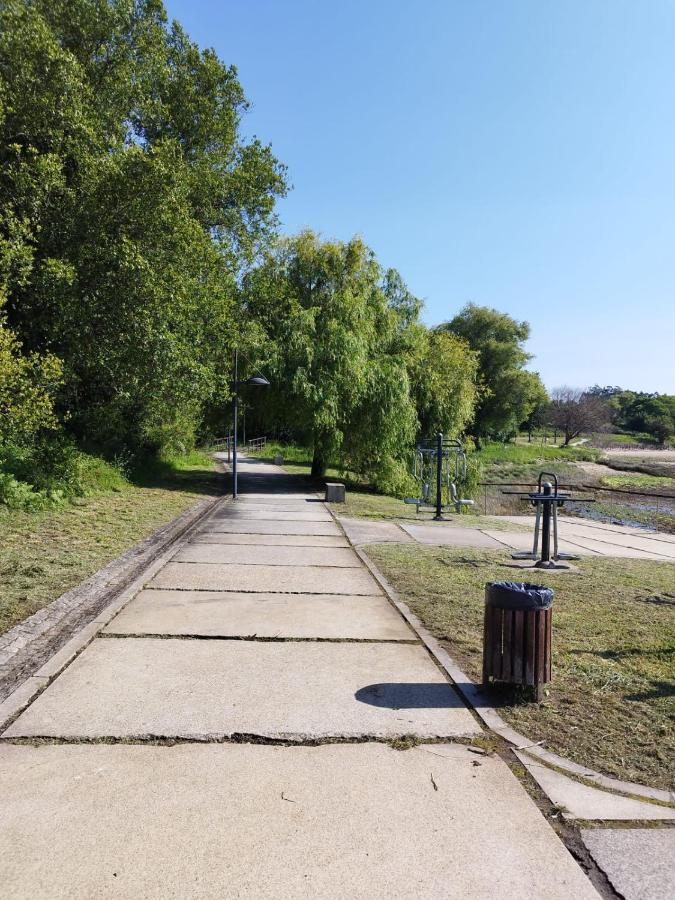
x,y
641,412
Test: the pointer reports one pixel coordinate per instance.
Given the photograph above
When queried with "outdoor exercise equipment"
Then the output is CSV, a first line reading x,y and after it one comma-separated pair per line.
x,y
440,462
547,499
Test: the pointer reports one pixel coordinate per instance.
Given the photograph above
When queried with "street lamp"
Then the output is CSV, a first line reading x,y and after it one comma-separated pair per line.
x,y
236,384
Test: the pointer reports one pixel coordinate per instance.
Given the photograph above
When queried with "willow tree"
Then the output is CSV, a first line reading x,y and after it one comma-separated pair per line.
x,y
337,355
443,374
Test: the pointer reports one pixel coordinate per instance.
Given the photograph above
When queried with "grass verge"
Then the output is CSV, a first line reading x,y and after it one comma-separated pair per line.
x,y
610,705
48,552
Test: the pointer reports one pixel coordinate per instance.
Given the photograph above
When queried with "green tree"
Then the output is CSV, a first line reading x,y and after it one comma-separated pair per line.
x,y
27,387
443,374
507,392
130,205
337,355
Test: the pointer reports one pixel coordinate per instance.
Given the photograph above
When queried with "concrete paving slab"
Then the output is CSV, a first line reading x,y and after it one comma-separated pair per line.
x,y
578,801
362,531
286,506
214,821
206,689
453,536
272,496
639,862
270,515
272,540
250,526
518,541
614,540
264,615
269,556
603,548
262,579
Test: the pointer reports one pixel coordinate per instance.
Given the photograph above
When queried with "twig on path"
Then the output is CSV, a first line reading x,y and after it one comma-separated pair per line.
x,y
433,782
287,799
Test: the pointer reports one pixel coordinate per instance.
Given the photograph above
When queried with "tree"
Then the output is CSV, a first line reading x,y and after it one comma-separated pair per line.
x,y
337,352
538,416
130,205
506,391
27,387
443,373
574,412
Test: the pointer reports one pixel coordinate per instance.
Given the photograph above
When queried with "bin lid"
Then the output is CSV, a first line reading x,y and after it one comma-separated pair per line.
x,y
518,595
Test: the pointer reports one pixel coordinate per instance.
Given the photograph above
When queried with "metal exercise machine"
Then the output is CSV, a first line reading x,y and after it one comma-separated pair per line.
x,y
440,462
547,499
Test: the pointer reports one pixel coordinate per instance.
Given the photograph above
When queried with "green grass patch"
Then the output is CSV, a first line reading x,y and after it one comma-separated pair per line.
x,y
528,454
49,551
610,704
638,480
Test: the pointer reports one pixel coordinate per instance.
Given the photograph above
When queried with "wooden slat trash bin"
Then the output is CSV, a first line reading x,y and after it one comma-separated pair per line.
x,y
517,634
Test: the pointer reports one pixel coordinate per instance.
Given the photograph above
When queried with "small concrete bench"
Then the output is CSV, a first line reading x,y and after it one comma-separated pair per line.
x,y
335,493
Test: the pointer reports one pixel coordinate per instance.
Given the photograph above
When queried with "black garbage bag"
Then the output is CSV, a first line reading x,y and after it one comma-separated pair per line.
x,y
517,595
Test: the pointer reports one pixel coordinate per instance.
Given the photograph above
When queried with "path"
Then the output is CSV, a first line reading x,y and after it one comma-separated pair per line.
x,y
578,536
226,735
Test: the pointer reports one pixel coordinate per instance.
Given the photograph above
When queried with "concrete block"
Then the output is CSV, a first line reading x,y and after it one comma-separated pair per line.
x,y
199,689
578,801
250,526
363,531
207,821
220,614
262,579
272,540
639,862
319,514
257,555
456,536
335,493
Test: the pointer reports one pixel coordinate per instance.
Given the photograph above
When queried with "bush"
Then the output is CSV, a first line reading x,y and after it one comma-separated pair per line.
x,y
52,471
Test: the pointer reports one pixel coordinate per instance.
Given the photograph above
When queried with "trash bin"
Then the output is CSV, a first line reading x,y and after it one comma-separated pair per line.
x,y
517,634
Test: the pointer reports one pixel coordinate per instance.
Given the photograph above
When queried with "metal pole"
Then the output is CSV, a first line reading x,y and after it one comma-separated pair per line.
x,y
439,478
235,410
546,527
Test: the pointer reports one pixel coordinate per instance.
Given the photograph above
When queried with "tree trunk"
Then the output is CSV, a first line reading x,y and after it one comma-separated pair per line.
x,y
318,464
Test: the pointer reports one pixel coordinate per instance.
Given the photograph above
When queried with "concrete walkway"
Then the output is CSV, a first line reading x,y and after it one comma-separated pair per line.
x,y
580,537
226,735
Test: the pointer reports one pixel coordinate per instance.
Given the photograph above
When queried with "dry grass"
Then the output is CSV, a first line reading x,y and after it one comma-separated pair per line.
x,y
611,703
47,553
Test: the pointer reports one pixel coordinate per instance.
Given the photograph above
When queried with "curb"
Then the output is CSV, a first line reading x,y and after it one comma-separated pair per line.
x,y
30,646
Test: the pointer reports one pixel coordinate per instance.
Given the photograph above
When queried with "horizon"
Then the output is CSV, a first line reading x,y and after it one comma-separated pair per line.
x,y
515,157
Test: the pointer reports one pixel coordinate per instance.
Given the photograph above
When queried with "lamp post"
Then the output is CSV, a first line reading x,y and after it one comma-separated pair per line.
x,y
236,384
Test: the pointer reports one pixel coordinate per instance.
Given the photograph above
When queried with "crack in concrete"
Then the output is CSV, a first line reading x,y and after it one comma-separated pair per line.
x,y
275,639
394,741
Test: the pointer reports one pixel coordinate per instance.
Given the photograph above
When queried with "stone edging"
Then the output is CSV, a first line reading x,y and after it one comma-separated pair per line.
x,y
33,643
473,698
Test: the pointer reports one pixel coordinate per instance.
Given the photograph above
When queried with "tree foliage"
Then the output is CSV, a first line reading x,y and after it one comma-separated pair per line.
x,y
355,374
507,393
27,386
130,205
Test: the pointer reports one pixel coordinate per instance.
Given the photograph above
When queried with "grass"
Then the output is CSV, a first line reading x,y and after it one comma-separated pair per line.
x,y
610,704
48,552
527,454
638,480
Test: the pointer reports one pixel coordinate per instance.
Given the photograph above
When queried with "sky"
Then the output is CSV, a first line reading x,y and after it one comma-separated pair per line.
x,y
518,154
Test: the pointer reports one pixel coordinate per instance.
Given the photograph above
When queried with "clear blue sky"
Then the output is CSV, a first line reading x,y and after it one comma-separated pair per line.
x,y
515,153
